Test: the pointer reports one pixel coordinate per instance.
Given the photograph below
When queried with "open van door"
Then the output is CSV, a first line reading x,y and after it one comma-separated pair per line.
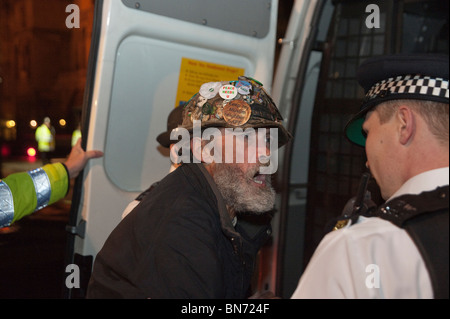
x,y
146,58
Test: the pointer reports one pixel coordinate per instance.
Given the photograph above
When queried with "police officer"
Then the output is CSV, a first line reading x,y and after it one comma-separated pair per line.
x,y
46,140
24,193
398,250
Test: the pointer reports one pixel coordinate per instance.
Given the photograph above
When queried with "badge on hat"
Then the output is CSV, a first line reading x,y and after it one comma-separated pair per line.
x,y
236,112
243,87
210,89
228,92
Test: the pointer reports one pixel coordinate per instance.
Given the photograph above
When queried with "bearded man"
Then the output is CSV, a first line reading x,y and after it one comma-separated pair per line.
x,y
188,238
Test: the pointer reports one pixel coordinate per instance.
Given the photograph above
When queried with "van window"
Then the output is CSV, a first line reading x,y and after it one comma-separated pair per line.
x,y
139,101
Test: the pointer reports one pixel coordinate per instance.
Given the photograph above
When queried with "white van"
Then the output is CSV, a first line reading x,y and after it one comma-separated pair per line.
x,y
149,56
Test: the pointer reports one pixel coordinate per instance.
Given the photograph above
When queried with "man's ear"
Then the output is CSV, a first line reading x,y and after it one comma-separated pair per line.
x,y
407,124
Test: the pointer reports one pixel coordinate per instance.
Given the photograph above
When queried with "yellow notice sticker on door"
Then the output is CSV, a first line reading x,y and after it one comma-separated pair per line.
x,y
194,73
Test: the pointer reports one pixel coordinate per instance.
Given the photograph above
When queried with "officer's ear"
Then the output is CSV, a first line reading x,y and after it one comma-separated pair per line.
x,y
407,124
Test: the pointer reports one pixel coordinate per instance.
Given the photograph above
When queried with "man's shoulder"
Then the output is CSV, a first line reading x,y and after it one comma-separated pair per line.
x,y
178,193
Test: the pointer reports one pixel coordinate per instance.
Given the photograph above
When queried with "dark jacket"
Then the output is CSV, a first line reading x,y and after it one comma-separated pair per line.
x,y
179,242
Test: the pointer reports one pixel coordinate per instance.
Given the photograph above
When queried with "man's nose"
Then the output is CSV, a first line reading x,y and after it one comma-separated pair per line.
x,y
263,154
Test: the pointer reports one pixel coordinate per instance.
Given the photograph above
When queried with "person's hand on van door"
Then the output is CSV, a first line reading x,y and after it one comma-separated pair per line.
x,y
78,159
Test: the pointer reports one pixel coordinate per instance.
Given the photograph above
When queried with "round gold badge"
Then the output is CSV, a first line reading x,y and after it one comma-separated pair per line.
x,y
236,112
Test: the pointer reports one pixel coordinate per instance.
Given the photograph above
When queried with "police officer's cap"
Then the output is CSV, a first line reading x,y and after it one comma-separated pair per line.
x,y
394,77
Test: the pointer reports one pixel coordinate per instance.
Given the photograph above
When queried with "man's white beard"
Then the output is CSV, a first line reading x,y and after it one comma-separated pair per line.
x,y
240,192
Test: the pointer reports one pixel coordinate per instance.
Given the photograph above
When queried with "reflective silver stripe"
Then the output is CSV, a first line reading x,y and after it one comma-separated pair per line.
x,y
6,205
42,187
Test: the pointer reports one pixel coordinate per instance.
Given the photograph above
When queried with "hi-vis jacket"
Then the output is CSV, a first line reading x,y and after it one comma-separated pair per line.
x,y
24,193
44,138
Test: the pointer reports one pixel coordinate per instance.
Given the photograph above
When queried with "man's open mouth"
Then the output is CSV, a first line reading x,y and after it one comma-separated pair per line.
x,y
259,179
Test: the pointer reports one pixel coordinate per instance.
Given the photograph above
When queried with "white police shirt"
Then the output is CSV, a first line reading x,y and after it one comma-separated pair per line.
x,y
373,258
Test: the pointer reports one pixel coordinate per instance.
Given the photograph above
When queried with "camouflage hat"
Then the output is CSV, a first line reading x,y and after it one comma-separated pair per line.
x,y
242,103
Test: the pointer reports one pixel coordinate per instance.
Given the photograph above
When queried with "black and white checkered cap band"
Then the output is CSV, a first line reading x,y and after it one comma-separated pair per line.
x,y
410,84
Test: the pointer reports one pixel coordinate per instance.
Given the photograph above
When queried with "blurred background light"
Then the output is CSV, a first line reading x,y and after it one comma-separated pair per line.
x,y
10,124
31,152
